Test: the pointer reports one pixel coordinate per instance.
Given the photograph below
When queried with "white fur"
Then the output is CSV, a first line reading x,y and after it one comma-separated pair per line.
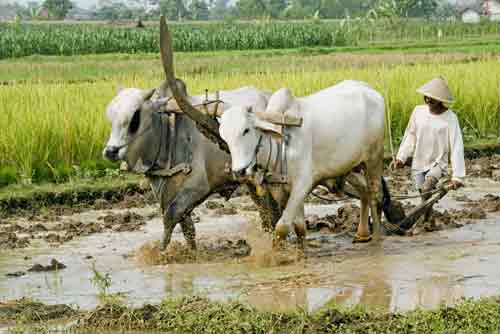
x,y
343,126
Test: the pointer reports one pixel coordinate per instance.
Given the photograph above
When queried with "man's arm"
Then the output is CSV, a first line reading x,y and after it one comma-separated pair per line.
x,y
409,139
457,152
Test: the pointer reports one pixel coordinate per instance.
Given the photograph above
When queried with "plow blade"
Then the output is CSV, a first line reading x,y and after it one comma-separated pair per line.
x,y
416,213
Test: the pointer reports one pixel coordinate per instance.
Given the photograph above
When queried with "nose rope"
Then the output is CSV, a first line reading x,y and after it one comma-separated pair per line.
x,y
256,152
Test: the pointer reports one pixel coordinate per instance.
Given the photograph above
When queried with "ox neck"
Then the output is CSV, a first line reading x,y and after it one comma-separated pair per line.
x,y
269,155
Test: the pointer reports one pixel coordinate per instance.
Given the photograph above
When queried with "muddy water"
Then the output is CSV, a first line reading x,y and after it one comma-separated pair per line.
x,y
400,273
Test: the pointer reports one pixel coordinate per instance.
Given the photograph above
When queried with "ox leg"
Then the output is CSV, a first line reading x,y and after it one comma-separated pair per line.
x,y
269,209
300,228
363,232
189,231
168,229
188,196
295,203
359,183
373,174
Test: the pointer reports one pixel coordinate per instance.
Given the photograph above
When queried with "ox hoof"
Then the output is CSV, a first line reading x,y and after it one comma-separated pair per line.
x,y
361,240
282,231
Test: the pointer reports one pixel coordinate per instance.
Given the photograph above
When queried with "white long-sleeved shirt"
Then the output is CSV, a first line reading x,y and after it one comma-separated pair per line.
x,y
433,140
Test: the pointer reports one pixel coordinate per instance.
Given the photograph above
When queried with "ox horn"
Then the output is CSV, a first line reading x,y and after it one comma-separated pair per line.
x,y
148,94
207,125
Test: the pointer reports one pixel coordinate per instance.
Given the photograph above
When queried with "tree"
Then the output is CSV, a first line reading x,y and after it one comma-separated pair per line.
x,y
58,8
343,8
219,9
404,8
260,8
275,7
250,8
198,10
109,10
173,9
446,10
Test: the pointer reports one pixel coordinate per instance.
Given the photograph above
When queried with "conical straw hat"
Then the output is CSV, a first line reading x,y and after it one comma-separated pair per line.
x,y
438,90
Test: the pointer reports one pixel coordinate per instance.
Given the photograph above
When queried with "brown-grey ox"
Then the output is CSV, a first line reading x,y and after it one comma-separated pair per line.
x,y
185,160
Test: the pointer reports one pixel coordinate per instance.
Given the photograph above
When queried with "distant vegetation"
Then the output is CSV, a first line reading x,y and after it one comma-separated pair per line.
x,y
61,39
199,10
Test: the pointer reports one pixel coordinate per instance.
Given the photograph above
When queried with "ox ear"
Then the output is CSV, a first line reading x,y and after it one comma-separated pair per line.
x,y
280,101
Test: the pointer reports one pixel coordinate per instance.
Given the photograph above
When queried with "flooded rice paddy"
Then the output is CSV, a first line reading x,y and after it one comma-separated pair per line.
x,y
397,274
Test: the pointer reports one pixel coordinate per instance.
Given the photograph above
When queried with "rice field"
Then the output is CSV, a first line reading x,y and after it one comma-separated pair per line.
x,y
53,117
52,108
17,40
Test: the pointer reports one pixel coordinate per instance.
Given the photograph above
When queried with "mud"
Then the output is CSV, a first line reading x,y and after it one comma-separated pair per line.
x,y
488,167
9,240
453,255
212,250
29,310
489,203
16,274
19,232
53,266
346,220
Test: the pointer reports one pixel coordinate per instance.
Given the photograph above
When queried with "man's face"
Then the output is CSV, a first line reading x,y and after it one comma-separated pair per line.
x,y
431,102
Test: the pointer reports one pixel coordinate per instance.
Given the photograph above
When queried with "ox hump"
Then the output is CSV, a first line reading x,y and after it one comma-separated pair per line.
x,y
280,101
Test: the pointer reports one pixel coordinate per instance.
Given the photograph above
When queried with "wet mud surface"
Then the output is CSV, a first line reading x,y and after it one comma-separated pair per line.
x,y
54,230
450,256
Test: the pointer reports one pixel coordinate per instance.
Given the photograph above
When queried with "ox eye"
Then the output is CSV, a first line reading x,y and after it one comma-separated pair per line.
x,y
247,130
135,122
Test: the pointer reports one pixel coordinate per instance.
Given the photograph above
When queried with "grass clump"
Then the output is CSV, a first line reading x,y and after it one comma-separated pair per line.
x,y
198,315
8,175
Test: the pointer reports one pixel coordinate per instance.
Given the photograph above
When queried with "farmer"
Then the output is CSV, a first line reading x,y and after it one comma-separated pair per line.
x,y
432,138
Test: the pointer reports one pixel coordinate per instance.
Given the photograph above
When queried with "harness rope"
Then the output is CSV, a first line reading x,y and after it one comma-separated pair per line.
x,y
397,197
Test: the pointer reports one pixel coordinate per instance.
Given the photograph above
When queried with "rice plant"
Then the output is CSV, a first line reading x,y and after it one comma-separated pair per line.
x,y
47,128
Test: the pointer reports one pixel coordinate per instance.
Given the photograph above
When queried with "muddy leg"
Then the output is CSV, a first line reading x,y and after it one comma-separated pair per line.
x,y
295,203
373,172
429,185
359,183
300,229
189,231
189,193
363,232
269,209
168,229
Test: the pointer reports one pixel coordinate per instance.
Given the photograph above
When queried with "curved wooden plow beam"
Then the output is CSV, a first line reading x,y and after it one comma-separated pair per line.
x,y
206,124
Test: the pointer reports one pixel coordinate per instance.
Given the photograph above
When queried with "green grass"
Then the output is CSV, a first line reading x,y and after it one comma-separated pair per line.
x,y
198,315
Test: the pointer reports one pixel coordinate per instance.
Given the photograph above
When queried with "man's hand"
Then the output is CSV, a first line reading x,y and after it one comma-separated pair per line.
x,y
455,184
396,164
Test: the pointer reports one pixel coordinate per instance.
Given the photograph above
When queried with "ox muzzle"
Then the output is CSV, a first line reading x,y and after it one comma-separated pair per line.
x,y
111,153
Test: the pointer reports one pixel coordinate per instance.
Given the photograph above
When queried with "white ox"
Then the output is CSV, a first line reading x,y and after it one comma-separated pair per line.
x,y
342,130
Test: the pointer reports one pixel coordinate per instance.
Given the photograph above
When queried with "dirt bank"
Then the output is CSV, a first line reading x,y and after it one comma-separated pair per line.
x,y
48,200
